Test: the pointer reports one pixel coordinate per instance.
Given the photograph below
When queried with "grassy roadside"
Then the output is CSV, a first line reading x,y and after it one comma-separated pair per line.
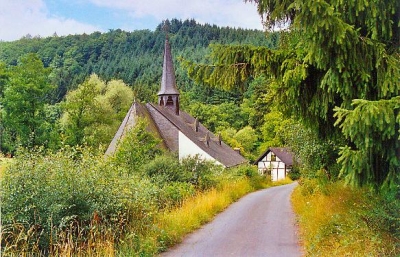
x,y
172,226
336,220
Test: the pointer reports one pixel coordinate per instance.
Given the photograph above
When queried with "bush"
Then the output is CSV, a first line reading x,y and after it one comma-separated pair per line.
x,y
294,174
165,169
136,148
49,199
203,174
257,181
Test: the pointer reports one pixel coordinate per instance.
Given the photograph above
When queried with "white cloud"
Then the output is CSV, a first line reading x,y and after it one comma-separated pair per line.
x,y
233,13
21,17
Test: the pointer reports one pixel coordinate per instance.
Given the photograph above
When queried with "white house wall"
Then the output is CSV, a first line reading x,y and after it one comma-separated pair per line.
x,y
277,167
188,148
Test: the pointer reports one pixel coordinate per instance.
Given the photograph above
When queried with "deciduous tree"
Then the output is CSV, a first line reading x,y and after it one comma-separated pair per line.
x,y
25,96
93,112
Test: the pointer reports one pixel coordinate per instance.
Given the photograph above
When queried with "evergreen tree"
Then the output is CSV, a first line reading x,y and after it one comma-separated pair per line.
x,y
332,53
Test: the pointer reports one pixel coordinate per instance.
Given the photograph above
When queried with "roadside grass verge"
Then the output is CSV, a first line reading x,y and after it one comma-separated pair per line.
x,y
199,210
171,226
337,220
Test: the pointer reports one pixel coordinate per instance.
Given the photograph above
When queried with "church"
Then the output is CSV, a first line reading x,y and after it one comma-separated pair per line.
x,y
180,132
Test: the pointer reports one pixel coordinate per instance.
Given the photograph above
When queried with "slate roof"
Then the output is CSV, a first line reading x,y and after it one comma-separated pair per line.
x,y
283,153
186,124
166,125
168,81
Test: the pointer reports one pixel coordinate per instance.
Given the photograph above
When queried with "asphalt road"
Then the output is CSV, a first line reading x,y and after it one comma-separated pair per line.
x,y
260,224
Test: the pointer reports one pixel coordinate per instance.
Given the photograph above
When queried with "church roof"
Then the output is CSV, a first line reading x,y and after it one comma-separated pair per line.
x,y
203,138
166,123
168,81
283,153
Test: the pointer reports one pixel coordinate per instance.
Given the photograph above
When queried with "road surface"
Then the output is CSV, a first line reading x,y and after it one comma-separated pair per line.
x,y
260,224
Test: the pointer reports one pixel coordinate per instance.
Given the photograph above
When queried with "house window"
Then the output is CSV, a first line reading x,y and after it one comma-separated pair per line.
x,y
273,157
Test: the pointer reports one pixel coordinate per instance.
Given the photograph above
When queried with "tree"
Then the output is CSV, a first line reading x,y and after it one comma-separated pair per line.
x,y
4,78
93,112
25,96
138,147
332,53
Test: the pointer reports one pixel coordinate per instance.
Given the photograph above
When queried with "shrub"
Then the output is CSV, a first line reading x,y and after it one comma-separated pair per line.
x,y
165,169
54,200
138,147
257,181
294,174
203,173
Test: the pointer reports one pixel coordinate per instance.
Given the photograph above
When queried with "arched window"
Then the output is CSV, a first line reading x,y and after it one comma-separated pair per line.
x,y
170,101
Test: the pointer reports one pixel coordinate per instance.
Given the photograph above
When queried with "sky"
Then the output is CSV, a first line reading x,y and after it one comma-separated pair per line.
x,y
46,17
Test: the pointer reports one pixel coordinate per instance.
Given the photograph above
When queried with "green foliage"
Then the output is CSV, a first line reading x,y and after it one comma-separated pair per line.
x,y
137,147
25,94
373,127
218,117
248,140
312,152
93,112
256,180
295,173
334,52
257,101
134,57
90,198
4,78
273,130
203,173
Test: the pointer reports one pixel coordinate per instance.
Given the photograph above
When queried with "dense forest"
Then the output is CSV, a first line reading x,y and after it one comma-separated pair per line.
x,y
134,58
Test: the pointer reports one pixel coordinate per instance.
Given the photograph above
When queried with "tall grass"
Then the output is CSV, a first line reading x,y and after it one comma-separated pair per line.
x,y
172,225
336,220
200,209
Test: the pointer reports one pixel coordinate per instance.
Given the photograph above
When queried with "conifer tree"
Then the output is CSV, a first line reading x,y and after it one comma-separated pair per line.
x,y
338,64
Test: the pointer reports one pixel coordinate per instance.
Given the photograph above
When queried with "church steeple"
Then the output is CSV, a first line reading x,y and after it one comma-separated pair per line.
x,y
168,95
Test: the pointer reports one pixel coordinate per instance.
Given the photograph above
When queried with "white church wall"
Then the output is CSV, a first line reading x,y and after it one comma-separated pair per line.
x,y
188,148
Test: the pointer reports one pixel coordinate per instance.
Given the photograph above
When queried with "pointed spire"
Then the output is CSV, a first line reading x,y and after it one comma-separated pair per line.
x,y
168,81
168,94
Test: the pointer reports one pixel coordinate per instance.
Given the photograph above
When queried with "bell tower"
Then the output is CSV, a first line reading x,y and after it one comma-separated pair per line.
x,y
168,95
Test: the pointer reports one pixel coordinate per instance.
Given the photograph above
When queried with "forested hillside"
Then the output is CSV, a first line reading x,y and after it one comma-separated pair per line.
x,y
79,93
134,57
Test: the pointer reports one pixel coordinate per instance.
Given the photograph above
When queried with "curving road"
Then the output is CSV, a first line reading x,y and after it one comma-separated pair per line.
x,y
260,224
